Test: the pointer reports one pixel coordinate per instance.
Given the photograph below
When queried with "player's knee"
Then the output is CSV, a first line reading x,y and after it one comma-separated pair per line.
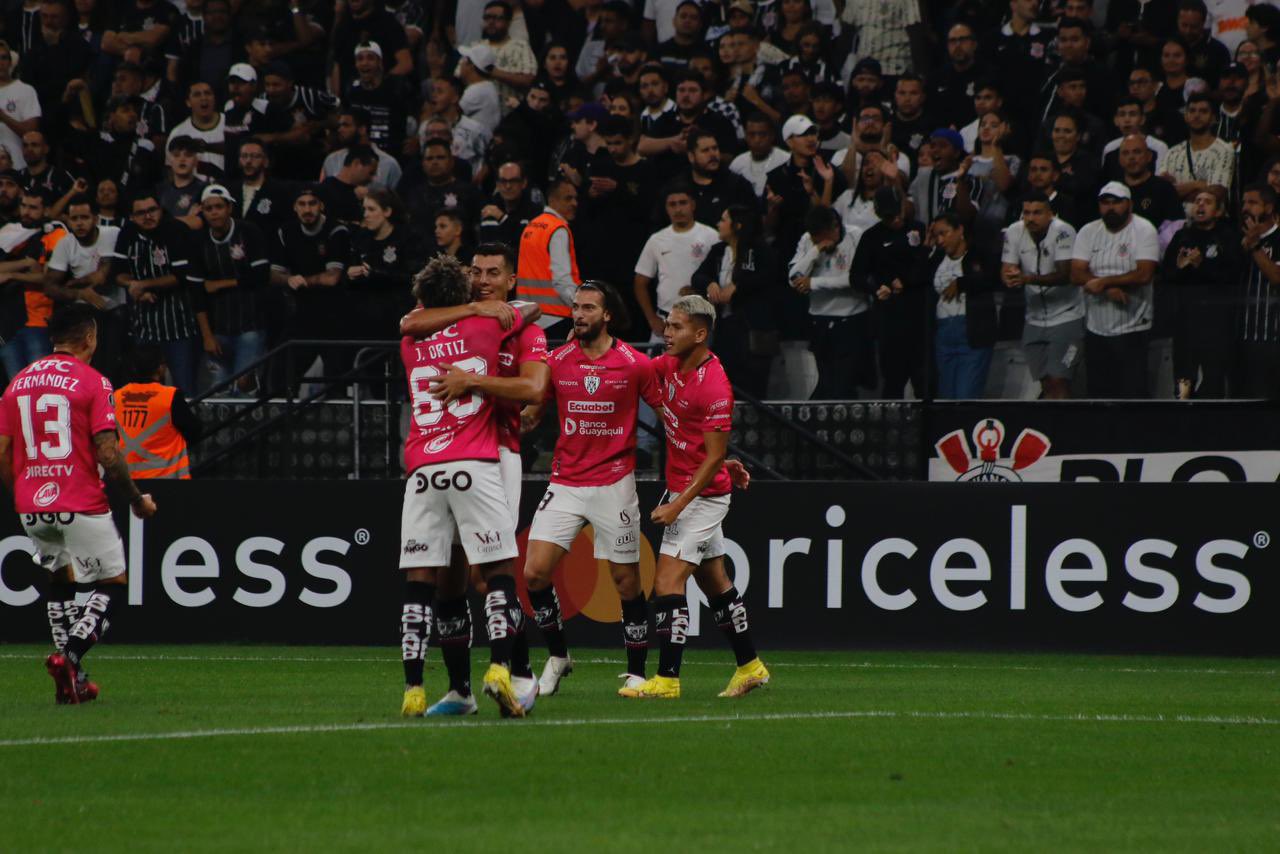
x,y
122,578
626,579
425,574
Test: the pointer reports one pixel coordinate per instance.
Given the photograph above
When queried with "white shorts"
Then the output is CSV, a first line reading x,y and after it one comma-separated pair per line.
x,y
696,534
512,476
466,497
613,512
88,542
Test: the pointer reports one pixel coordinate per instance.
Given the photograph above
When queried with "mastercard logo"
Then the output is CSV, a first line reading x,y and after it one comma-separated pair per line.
x,y
584,584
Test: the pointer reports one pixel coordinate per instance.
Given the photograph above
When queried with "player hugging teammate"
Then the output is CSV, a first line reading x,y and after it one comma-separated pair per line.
x,y
597,382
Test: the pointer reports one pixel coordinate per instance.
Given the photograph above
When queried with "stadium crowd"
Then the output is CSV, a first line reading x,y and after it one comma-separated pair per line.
x,y
901,184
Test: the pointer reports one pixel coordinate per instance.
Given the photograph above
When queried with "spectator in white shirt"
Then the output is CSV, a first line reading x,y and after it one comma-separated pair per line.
x,y
480,97
671,256
840,336
761,156
1203,161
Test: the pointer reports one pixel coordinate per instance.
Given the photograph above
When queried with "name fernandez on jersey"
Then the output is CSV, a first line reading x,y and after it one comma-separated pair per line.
x,y
463,429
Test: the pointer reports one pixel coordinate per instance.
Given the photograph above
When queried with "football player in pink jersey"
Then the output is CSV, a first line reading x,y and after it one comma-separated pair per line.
x,y
522,379
697,414
57,426
455,491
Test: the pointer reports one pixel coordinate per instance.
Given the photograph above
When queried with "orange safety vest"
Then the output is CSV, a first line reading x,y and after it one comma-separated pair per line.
x,y
533,271
39,306
153,446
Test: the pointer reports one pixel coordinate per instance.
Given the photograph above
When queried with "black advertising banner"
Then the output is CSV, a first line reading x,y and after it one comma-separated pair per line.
x,y
1100,441
822,565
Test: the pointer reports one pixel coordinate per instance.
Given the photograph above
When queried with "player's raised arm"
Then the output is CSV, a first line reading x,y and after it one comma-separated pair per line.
x,y
106,447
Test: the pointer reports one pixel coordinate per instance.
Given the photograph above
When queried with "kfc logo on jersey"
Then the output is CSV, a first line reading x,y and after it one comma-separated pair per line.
x,y
46,494
591,383
439,443
1028,449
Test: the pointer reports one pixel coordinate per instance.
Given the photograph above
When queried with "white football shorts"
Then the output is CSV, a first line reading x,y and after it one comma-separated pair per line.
x,y
88,542
613,512
696,536
466,497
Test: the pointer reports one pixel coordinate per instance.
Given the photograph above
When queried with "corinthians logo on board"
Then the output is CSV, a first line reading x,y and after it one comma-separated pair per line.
x,y
986,464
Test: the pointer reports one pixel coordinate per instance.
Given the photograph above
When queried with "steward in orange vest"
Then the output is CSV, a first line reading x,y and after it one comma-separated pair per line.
x,y
547,269
155,421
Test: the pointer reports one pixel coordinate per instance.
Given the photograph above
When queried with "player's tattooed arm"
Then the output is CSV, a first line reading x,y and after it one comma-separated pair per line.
x,y
6,462
115,472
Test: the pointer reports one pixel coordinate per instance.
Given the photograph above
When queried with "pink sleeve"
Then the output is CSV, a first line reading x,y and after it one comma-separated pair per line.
x,y
532,345
6,424
649,391
102,409
717,406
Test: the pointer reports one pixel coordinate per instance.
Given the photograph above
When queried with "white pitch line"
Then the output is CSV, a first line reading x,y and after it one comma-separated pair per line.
x,y
851,665
316,729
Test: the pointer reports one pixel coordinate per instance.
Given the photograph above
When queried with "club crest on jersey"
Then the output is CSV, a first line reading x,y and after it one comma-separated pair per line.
x,y
988,435
450,200
184,201
159,256
264,207
699,249
237,252
591,383
46,494
389,255
1123,250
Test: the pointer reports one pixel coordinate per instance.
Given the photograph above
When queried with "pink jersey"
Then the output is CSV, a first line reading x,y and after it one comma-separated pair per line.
x,y
464,429
529,346
597,400
51,411
698,402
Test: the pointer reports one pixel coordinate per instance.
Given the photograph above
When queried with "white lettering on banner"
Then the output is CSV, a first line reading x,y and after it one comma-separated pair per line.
x,y
1070,564
1210,571
261,571
27,595
338,576
171,571
1139,571
1168,467
941,573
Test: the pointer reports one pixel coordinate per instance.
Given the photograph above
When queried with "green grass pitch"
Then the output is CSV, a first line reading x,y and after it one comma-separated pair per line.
x,y
231,748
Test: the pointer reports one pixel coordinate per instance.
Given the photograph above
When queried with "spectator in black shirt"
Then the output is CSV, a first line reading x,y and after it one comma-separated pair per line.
x,y
143,23
150,261
509,209
210,57
1042,177
53,61
229,272
667,140
1078,168
311,253
1203,263
154,121
304,114
1154,198
954,85
1206,56
804,181
686,41
714,187
741,277
180,193
383,97
384,259
365,21
616,205
55,184
1258,368
1139,28
260,198
343,192
441,191
116,152
911,123
889,266
449,235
